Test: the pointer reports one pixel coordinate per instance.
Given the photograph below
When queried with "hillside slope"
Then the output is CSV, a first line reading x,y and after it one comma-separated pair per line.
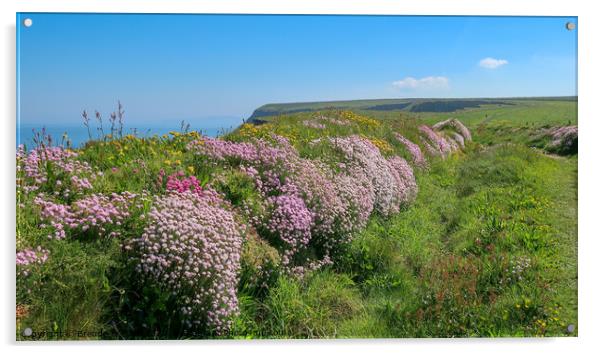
x,y
313,225
415,105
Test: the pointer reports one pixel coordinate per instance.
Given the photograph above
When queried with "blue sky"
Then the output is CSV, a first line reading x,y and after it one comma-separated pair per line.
x,y
203,68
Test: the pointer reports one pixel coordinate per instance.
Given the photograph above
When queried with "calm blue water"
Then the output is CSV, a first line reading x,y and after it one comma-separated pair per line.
x,y
78,134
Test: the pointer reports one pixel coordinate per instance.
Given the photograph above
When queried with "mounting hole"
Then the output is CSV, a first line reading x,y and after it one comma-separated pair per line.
x,y
570,328
27,22
570,26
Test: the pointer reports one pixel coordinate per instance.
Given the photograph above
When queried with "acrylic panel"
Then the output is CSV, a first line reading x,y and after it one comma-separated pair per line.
x,y
198,176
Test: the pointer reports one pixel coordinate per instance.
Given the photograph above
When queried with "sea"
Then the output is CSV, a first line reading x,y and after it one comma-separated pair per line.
x,y
78,135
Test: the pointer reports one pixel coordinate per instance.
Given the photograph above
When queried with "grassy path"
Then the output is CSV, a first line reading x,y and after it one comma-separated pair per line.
x,y
488,249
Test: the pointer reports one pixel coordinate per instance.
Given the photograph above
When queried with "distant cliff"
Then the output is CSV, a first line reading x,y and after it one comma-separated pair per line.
x,y
402,104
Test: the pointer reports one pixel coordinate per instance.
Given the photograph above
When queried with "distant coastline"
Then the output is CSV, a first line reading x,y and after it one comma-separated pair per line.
x,y
78,133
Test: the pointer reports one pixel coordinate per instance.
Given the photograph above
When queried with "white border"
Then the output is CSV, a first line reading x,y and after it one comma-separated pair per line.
x,y
428,7
590,123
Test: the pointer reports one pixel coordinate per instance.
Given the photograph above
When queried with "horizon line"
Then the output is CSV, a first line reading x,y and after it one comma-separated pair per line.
x,y
428,98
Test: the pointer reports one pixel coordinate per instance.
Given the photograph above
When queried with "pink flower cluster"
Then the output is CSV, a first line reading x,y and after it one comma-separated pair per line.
x,y
564,136
258,153
364,161
292,221
97,213
191,248
69,175
31,256
179,182
301,205
305,203
456,126
414,150
459,139
27,261
313,124
339,203
402,170
436,144
221,150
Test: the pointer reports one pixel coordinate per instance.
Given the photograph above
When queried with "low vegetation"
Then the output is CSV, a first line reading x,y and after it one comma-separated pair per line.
x,y
321,224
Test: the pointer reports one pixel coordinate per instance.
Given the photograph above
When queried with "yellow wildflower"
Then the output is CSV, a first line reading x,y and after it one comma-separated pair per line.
x,y
382,145
361,120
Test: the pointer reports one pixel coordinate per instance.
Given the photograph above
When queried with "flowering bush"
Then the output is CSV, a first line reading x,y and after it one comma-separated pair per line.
x,y
292,221
304,194
435,144
337,201
453,144
180,182
407,181
459,139
357,195
99,214
456,126
414,150
564,139
260,152
191,248
53,168
564,132
305,205
362,157
221,149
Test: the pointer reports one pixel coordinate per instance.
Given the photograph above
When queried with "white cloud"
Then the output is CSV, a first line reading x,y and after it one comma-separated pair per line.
x,y
492,63
429,82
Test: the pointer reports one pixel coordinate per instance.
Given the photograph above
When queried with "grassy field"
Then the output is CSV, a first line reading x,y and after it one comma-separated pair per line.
x,y
509,120
549,110
478,241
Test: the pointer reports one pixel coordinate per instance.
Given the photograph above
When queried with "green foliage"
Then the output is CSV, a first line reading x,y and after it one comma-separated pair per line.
x,y
259,265
312,308
488,248
138,311
71,291
238,188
